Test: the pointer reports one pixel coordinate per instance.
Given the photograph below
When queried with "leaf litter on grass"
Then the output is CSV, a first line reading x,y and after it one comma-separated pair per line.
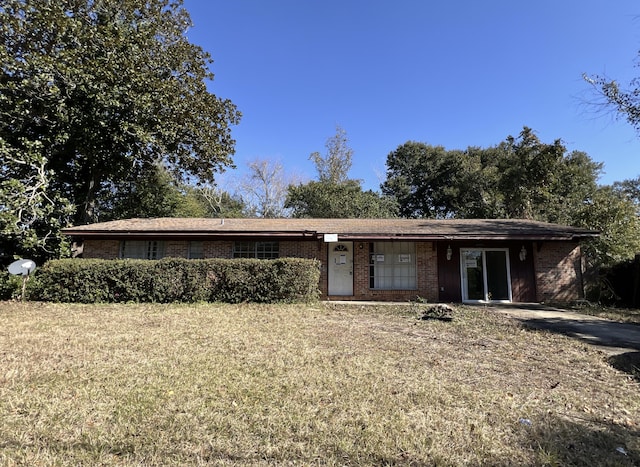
x,y
270,384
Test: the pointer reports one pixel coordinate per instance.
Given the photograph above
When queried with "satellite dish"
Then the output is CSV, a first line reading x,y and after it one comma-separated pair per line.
x,y
22,267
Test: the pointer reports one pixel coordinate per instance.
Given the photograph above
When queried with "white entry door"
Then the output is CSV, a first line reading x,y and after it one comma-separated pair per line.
x,y
340,268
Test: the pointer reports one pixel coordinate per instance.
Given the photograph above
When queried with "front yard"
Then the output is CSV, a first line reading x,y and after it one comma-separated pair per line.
x,y
302,384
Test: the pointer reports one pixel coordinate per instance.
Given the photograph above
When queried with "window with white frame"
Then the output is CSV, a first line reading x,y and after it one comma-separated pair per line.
x,y
195,250
142,249
392,265
259,250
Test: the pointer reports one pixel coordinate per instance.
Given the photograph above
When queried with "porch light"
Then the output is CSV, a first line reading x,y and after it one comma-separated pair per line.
x,y
523,253
450,253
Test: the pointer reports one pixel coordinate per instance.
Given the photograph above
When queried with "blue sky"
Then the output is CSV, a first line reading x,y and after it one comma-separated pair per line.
x,y
452,73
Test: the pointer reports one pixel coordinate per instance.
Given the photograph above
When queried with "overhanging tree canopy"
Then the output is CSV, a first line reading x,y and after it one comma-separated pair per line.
x,y
99,91
519,178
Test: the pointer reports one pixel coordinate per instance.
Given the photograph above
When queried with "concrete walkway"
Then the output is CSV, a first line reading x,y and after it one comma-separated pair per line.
x,y
611,337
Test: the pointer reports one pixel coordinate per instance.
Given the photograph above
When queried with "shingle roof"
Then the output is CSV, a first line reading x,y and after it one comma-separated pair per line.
x,y
428,229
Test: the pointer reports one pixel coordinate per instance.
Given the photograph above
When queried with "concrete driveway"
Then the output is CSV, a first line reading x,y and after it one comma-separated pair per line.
x,y
611,337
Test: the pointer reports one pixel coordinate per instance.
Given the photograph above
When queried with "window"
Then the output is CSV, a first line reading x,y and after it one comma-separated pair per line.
x,y
259,250
392,266
142,249
195,250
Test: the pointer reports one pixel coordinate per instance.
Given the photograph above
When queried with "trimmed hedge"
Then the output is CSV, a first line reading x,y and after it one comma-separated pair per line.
x,y
176,280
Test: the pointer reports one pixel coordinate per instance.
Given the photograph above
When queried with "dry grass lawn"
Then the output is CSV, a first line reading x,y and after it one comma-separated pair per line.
x,y
302,384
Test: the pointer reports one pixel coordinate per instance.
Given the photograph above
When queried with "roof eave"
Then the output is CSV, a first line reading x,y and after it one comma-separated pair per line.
x,y
310,235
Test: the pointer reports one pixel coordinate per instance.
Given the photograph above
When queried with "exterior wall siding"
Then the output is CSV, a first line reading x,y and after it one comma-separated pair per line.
x,y
558,271
101,249
219,249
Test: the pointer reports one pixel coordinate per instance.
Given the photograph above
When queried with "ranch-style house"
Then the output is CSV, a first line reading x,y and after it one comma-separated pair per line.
x,y
479,260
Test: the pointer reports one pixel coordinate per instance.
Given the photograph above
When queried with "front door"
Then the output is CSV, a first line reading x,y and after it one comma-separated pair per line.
x,y
340,268
485,275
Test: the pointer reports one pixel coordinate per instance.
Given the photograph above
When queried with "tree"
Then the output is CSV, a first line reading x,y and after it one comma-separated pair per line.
x,y
614,215
419,176
334,195
335,165
30,215
107,88
324,199
519,178
158,194
219,203
624,102
541,181
264,189
631,190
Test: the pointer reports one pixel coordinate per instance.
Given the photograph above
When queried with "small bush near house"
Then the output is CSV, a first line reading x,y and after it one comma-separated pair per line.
x,y
176,280
9,285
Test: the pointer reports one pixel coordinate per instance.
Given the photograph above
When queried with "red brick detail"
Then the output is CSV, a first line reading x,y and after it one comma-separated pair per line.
x,y
558,268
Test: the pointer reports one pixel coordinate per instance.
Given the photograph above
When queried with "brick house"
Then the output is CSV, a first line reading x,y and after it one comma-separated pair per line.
x,y
469,260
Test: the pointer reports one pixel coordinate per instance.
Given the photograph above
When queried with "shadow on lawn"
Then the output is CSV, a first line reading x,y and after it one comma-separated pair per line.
x,y
547,440
591,331
628,362
558,441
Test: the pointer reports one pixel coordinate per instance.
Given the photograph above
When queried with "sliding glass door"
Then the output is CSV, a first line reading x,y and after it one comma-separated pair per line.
x,y
485,275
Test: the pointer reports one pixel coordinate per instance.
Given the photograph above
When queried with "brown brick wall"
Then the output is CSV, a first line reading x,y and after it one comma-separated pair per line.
x,y
557,267
308,249
176,249
219,249
426,270
101,249
558,271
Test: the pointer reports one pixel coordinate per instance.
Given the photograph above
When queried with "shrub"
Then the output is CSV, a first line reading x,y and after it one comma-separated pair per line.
x,y
176,280
10,286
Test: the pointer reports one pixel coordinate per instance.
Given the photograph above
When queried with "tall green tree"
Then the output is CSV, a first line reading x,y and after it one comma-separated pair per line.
x,y
31,214
157,194
323,199
422,178
334,194
521,177
615,216
334,166
631,189
542,181
107,88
